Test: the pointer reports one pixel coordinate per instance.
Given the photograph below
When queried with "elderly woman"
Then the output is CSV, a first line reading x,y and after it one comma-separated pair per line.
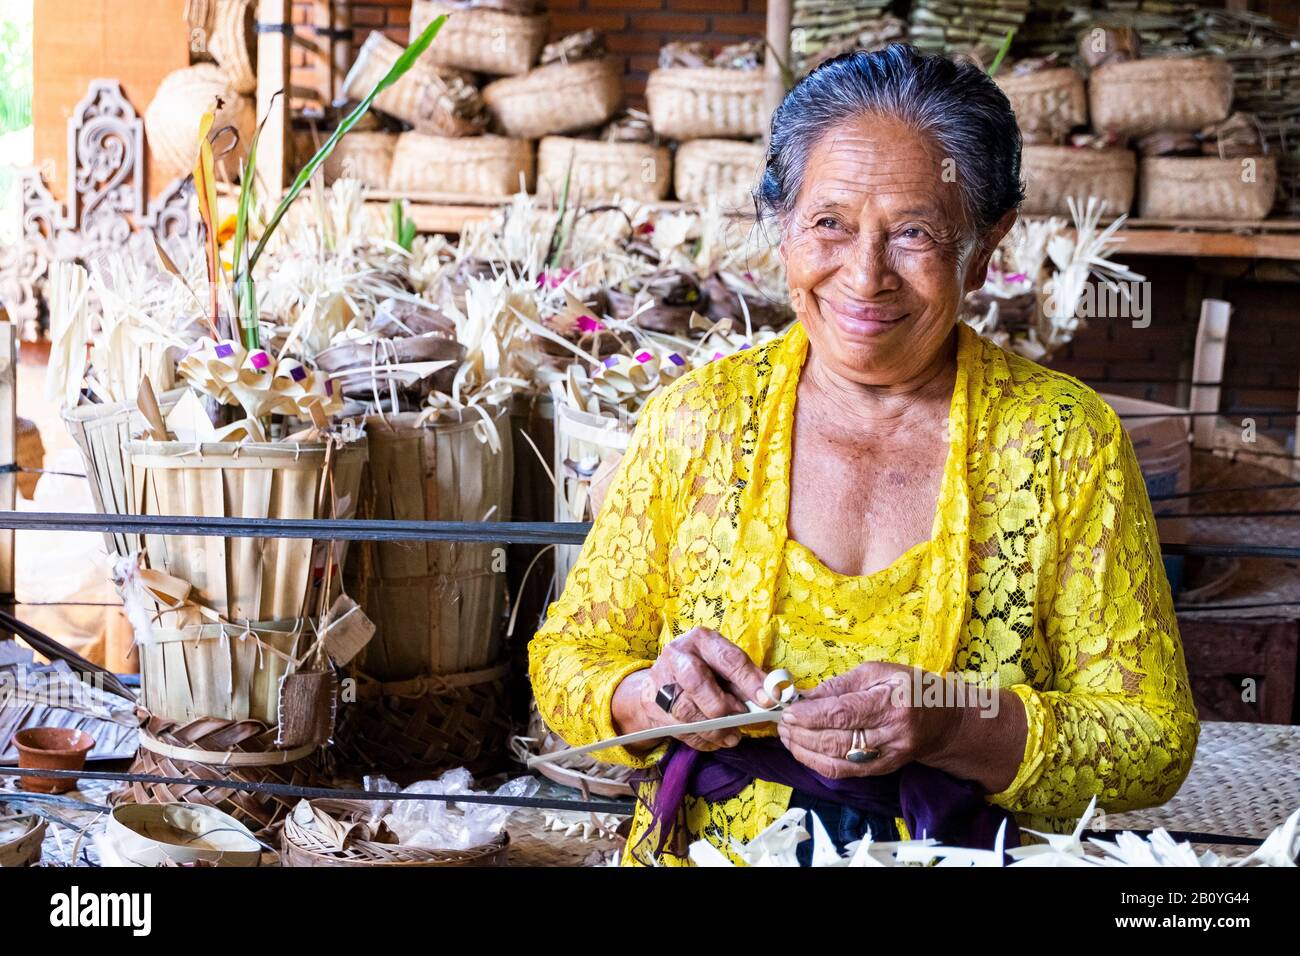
x,y
880,502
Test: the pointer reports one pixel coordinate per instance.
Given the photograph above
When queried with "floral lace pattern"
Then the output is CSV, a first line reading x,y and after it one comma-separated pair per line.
x,y
1043,572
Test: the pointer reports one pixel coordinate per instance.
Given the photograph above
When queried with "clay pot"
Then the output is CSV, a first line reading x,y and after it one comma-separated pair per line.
x,y
51,748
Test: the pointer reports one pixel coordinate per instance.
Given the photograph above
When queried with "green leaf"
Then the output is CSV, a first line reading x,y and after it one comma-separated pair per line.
x,y
245,297
1002,52
559,236
399,69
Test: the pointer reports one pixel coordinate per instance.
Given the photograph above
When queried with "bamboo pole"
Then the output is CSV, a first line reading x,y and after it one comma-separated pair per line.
x,y
273,24
779,13
1207,366
8,457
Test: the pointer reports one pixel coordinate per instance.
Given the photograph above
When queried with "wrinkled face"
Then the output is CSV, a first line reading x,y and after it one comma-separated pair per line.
x,y
877,253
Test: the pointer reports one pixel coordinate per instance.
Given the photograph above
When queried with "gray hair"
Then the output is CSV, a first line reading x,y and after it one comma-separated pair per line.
x,y
955,104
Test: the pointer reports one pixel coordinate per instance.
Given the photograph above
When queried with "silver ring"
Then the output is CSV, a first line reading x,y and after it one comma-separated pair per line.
x,y
858,751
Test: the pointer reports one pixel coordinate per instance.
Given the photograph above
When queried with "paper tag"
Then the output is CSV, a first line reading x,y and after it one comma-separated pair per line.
x,y
347,630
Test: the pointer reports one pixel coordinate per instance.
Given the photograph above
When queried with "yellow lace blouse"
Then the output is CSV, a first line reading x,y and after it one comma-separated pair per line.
x,y
1043,573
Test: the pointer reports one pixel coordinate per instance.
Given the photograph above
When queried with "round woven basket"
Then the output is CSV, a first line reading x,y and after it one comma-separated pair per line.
x,y
425,725
1047,103
638,171
365,157
224,751
233,43
707,101
721,169
490,166
299,846
1174,95
201,16
1207,187
171,121
437,102
1055,173
556,98
25,848
485,41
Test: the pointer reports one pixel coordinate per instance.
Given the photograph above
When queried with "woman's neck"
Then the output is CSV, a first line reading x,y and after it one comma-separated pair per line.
x,y
861,405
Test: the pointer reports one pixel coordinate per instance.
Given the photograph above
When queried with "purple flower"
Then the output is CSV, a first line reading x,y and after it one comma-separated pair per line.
x,y
676,359
589,323
224,350
259,360
643,356
298,373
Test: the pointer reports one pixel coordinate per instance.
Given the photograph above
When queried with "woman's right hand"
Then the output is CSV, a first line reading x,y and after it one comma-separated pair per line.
x,y
714,678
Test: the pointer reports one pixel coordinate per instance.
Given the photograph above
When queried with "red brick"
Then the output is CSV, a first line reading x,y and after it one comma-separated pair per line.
x,y
634,42
707,6
399,16
554,5
369,17
625,4
757,6
582,20
670,22
747,24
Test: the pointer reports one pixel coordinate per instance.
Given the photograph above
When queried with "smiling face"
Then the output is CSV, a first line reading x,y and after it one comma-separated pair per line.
x,y
878,253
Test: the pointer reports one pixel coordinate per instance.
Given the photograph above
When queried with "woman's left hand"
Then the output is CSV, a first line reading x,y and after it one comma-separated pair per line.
x,y
873,698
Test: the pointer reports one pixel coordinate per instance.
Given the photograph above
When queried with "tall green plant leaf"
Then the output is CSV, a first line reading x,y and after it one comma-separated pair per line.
x,y
1002,52
245,296
399,69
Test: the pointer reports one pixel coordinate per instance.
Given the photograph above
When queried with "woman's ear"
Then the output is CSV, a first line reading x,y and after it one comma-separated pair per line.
x,y
979,264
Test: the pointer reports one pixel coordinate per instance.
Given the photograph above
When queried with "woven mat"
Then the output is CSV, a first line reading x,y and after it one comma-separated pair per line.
x,y
1244,782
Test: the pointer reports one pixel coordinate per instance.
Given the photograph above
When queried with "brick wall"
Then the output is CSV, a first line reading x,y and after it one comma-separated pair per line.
x,y
634,29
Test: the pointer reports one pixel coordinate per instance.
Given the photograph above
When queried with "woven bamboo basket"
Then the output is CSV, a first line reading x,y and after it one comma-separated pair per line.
x,y
101,433
485,41
725,169
427,98
20,839
365,157
1049,102
299,846
489,166
1055,173
171,121
436,605
221,751
1175,95
1207,187
263,593
639,171
580,436
233,43
424,725
556,98
706,102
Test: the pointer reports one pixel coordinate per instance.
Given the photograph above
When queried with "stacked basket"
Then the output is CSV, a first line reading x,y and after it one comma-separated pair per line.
x,y
715,113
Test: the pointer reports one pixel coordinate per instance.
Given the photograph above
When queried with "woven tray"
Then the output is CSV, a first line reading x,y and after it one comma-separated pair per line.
x,y
556,98
171,121
1243,782
1174,95
1207,187
707,101
603,170
1055,173
299,846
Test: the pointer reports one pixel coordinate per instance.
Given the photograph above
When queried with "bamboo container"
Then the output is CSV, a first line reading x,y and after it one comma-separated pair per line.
x,y
171,120
725,169
1055,173
485,41
20,840
556,98
222,651
1207,187
703,102
639,171
365,157
1048,103
300,846
489,166
1137,97
435,605
233,43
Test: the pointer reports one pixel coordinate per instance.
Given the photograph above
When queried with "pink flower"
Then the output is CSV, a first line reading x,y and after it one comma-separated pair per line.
x,y
589,323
